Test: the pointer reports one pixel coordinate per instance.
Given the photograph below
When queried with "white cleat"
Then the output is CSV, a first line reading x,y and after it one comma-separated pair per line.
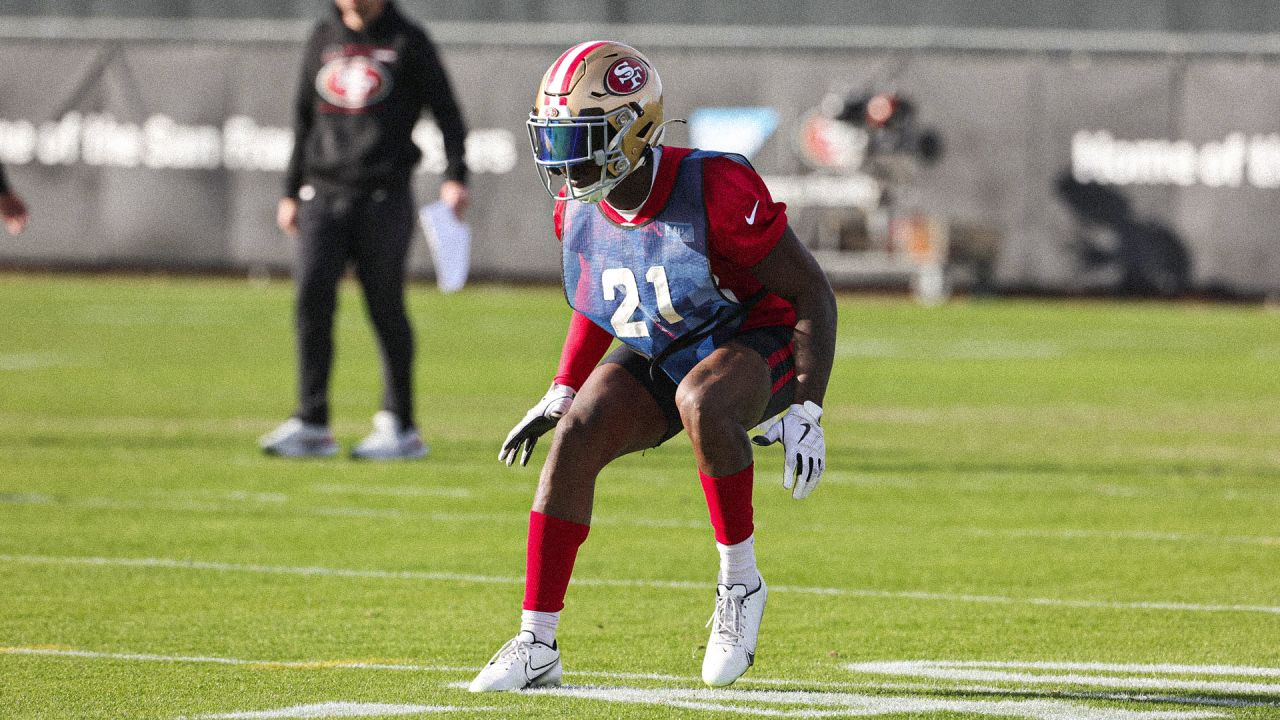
x,y
295,438
521,664
388,441
735,626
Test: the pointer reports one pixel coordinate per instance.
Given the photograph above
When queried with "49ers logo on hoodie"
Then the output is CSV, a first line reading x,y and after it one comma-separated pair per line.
x,y
352,80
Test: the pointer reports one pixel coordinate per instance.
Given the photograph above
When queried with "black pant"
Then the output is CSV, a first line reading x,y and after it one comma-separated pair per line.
x,y
774,345
371,231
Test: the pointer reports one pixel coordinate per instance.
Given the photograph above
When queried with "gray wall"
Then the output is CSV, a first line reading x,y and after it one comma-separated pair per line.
x,y
1010,121
1247,16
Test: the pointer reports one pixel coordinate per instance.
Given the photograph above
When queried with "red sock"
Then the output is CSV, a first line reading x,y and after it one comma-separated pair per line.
x,y
553,546
729,502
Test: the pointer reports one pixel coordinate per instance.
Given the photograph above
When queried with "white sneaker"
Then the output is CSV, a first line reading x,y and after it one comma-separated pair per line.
x,y
295,438
388,441
520,664
735,628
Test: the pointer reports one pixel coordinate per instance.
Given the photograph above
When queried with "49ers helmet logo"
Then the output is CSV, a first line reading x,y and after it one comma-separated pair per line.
x,y
353,82
626,76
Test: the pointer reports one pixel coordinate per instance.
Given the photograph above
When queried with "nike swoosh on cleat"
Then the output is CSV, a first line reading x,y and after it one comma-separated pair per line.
x,y
751,219
751,659
539,670
807,428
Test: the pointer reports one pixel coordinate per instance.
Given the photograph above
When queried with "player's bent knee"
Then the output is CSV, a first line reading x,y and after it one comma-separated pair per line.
x,y
577,425
598,432
701,407
586,427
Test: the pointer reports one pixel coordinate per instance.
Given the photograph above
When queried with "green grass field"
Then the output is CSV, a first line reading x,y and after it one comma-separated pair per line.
x,y
1034,509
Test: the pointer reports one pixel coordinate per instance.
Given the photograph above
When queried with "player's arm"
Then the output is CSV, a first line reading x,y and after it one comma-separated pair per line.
x,y
439,97
750,229
303,119
585,342
790,271
443,103
584,345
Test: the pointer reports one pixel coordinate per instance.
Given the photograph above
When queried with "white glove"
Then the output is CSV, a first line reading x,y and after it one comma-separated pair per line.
x,y
804,445
537,421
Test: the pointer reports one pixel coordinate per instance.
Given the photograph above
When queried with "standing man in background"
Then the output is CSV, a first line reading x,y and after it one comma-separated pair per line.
x,y
12,210
367,75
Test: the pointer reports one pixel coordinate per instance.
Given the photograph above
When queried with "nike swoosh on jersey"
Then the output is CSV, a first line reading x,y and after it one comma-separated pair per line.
x,y
751,219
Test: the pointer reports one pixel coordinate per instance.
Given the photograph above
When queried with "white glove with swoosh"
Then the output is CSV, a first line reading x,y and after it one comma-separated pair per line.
x,y
804,444
541,418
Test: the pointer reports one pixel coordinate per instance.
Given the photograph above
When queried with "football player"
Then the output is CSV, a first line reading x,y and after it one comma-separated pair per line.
x,y
726,321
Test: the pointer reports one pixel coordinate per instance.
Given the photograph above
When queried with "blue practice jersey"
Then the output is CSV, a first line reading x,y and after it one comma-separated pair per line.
x,y
651,285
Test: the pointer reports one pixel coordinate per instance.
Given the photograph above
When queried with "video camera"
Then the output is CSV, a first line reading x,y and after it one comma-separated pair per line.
x,y
889,121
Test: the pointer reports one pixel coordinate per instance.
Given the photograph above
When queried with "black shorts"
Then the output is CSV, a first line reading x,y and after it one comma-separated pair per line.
x,y
774,345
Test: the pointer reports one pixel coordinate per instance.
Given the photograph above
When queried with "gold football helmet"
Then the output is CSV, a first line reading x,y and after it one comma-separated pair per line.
x,y
598,107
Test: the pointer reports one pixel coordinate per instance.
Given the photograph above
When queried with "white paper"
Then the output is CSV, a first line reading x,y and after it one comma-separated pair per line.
x,y
449,240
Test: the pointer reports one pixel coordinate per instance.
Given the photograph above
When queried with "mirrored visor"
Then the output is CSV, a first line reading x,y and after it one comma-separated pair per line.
x,y
567,142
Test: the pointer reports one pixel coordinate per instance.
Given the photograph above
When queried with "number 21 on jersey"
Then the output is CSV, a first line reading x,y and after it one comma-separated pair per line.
x,y
623,326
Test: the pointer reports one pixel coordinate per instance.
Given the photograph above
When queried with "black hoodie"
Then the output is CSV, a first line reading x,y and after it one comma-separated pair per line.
x,y
359,96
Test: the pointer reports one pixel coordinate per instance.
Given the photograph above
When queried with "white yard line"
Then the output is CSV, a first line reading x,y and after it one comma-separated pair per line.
x,y
958,349
391,490
1131,668
980,671
983,481
38,360
203,659
1078,534
178,564
403,667
339,709
209,494
822,703
239,507
236,501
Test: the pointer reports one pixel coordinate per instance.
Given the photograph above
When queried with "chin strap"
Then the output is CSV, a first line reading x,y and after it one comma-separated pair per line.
x,y
661,131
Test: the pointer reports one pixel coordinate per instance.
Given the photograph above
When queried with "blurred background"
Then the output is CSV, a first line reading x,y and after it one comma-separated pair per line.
x,y
1081,147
